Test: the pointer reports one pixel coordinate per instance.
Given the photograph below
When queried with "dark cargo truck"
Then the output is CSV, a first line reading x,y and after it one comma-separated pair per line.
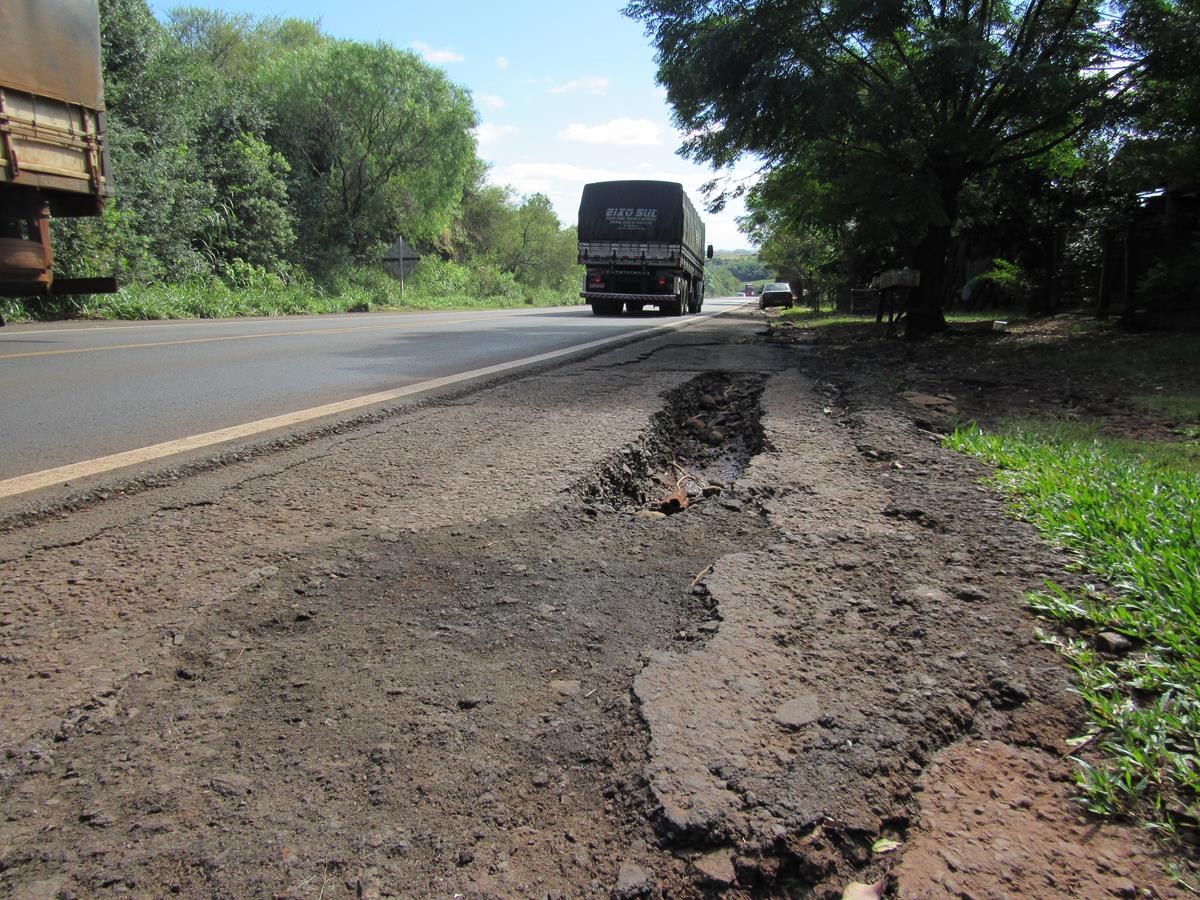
x,y
643,245
53,160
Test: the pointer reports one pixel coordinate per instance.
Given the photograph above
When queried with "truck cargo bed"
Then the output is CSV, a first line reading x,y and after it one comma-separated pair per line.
x,y
50,145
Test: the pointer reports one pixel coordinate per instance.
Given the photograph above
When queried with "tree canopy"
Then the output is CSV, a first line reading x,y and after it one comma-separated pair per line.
x,y
870,119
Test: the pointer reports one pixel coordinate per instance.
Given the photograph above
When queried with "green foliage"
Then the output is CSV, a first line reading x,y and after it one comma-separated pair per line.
x,y
379,143
1005,279
263,167
719,281
728,273
1135,524
255,222
247,290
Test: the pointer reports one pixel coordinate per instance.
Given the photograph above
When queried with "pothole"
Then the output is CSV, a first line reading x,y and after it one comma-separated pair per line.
x,y
696,448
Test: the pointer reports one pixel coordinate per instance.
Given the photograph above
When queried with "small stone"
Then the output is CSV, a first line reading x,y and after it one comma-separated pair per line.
x,y
565,688
712,490
714,436
716,868
696,424
632,881
466,856
708,401
185,674
230,785
649,515
735,505
712,626
541,779
1112,642
930,402
97,818
469,702
798,712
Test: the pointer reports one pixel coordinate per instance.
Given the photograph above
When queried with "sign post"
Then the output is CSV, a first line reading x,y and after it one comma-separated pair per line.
x,y
401,260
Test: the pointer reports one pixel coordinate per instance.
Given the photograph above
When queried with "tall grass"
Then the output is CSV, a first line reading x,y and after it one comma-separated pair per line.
x,y
437,285
1133,523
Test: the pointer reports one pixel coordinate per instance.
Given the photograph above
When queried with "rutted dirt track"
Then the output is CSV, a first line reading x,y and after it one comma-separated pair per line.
x,y
452,653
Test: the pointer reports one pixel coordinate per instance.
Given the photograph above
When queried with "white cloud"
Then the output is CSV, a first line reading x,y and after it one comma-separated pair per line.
x,y
502,62
435,55
490,134
563,184
593,84
491,101
622,132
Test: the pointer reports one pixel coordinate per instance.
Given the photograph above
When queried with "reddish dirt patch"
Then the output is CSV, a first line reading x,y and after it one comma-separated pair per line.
x,y
1000,821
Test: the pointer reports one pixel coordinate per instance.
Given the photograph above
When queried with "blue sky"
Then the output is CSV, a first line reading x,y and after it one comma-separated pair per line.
x,y
565,91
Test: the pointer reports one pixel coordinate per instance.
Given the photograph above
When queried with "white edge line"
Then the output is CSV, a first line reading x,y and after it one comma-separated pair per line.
x,y
23,484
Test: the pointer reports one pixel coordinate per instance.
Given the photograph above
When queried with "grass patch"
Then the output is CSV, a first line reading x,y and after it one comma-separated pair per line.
x,y
811,318
1134,522
815,318
1177,407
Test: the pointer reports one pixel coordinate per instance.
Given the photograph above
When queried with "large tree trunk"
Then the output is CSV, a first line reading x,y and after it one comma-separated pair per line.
x,y
925,303
925,315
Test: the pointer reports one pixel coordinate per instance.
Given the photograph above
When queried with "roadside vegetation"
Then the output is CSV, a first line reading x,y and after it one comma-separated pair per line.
x,y
1131,516
264,167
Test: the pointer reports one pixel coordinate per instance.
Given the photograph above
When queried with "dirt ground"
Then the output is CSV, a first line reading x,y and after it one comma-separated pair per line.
x,y
707,615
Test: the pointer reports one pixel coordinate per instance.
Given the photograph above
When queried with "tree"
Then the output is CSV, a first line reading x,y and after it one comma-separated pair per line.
x,y
378,141
892,107
534,246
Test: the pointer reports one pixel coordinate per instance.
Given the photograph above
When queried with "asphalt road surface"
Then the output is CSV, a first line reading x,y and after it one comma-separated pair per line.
x,y
74,393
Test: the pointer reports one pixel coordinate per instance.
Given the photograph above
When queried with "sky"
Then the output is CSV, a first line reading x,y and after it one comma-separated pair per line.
x,y
565,90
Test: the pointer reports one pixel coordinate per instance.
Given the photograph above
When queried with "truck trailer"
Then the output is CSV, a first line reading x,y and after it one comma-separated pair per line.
x,y
642,243
53,157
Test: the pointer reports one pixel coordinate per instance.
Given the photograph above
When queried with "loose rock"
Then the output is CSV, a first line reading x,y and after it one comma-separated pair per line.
x,y
649,515
567,688
1112,642
632,881
716,868
798,712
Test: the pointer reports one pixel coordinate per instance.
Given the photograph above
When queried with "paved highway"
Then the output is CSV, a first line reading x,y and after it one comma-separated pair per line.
x,y
73,393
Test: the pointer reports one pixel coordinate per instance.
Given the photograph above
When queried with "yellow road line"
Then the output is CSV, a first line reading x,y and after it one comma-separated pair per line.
x,y
107,325
23,484
241,337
